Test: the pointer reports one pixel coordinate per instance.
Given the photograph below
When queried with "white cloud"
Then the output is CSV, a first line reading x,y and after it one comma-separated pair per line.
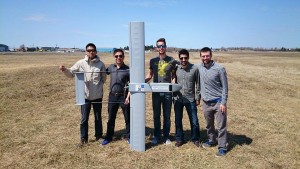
x,y
39,18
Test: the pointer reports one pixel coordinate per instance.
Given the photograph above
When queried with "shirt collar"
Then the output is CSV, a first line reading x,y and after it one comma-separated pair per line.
x,y
209,65
187,66
115,65
95,59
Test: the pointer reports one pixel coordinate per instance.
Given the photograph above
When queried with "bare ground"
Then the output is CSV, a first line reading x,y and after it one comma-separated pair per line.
x,y
39,122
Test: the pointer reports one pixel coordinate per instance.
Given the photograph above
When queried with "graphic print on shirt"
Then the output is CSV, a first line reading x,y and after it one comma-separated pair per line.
x,y
161,68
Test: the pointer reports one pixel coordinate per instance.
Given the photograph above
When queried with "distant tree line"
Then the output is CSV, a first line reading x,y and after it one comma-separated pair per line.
x,y
147,47
257,49
170,49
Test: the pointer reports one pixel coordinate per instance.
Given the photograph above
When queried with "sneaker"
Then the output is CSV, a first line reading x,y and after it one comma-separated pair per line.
x,y
81,143
168,141
197,143
154,141
208,144
178,143
105,142
128,141
221,152
98,138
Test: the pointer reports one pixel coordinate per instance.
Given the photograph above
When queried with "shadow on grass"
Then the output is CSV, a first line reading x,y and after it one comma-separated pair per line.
x,y
187,137
234,140
121,134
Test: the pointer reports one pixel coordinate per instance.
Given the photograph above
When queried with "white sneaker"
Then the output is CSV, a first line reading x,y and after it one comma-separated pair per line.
x,y
168,141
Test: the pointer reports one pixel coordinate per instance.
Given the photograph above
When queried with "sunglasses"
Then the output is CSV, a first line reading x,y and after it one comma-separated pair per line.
x,y
161,46
118,56
91,50
186,58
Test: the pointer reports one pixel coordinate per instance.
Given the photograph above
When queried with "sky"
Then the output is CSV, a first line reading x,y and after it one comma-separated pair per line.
x,y
184,23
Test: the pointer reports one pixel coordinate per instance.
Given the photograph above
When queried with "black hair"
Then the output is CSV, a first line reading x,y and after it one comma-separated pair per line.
x,y
161,40
206,49
184,52
119,50
92,45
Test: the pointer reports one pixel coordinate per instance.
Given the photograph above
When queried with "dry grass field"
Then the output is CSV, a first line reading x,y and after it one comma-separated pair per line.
x,y
39,122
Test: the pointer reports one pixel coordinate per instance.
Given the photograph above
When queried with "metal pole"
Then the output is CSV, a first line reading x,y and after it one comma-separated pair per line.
x,y
137,75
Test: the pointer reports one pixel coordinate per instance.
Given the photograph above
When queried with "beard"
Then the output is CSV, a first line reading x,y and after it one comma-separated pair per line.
x,y
184,64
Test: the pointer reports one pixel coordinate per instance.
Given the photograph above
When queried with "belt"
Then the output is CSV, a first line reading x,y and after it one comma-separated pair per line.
x,y
116,94
213,101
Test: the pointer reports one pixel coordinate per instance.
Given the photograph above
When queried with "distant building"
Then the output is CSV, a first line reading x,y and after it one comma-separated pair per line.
x,y
3,48
33,49
47,49
12,49
68,50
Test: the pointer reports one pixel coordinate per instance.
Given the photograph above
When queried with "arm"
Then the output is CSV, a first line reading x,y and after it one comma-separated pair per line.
x,y
103,74
149,75
197,81
173,78
108,70
224,82
223,78
174,64
70,72
127,100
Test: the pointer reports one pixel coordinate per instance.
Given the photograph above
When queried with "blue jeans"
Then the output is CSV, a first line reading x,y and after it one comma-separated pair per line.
x,y
113,106
85,113
164,100
192,113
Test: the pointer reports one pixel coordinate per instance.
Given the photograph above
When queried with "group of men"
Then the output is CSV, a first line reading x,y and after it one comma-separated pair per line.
x,y
95,76
206,81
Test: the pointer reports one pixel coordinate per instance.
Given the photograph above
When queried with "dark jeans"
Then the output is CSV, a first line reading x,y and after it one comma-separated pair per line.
x,y
114,103
164,100
194,124
85,112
